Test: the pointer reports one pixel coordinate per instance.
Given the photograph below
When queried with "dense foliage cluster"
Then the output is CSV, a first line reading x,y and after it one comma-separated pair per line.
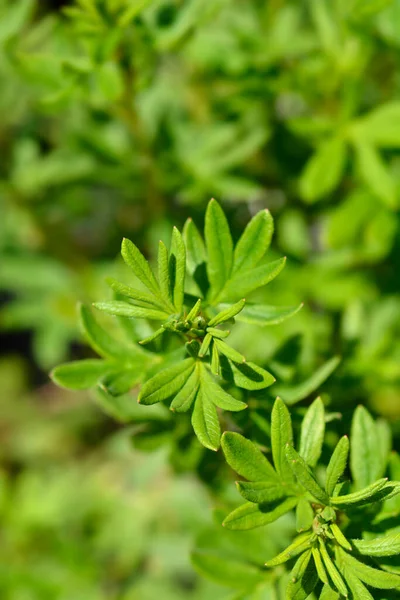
x,y
120,119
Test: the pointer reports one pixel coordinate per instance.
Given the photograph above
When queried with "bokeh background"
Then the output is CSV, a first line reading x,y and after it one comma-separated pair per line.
x,y
121,118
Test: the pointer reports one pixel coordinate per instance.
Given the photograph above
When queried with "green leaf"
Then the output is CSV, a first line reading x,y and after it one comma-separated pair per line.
x,y
226,571
373,577
123,309
215,362
334,574
117,384
216,394
218,333
246,459
376,175
139,297
139,265
186,396
305,475
254,242
328,594
387,545
163,273
337,464
250,515
101,340
381,127
192,314
365,458
281,436
304,515
82,374
120,408
248,376
263,314
319,565
261,492
205,344
303,578
229,352
312,433
323,171
361,497
340,538
205,422
196,255
152,337
177,269
294,393
243,284
227,313
219,247
357,588
166,383
300,544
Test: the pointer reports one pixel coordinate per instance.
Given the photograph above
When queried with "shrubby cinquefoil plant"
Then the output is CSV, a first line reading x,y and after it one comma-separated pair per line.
x,y
199,292
347,526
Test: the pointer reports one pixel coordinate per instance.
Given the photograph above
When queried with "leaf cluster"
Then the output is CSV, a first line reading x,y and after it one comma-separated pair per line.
x,y
220,273
325,555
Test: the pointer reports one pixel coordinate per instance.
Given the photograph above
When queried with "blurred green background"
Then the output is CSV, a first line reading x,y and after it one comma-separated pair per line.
x,y
121,118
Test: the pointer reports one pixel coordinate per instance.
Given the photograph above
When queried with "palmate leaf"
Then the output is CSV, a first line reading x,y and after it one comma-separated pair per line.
x,y
190,383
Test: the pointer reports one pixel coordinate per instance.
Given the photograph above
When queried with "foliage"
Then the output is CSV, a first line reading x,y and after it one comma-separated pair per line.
x,y
323,550
119,118
218,273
